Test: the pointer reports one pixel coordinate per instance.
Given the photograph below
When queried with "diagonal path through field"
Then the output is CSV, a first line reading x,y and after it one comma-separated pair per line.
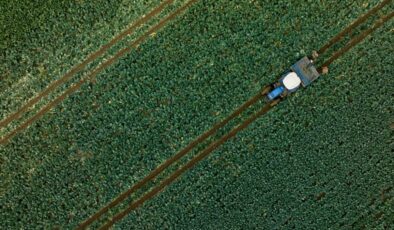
x,y
95,72
53,85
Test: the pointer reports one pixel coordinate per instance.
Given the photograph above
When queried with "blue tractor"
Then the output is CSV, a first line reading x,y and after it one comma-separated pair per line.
x,y
302,73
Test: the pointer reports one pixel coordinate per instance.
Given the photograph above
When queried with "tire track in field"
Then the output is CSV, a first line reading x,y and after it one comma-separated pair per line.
x,y
199,157
92,57
153,174
214,145
94,73
353,25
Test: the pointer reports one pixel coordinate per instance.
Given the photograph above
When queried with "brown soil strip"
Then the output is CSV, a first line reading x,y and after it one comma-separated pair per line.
x,y
52,86
92,75
175,158
356,23
356,40
204,153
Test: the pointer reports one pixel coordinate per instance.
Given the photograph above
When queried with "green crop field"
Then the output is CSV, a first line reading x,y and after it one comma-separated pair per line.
x,y
323,158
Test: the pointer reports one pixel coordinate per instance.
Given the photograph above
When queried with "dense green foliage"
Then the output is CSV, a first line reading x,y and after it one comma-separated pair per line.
x,y
323,158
